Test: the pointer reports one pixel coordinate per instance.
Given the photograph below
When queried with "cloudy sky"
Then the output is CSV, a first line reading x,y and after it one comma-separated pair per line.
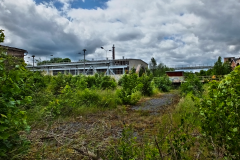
x,y
174,32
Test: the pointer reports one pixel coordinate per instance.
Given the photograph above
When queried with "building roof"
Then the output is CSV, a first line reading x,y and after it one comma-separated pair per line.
x,y
89,62
173,71
235,59
14,49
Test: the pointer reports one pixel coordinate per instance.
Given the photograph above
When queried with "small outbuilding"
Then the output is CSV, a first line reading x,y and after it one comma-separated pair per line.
x,y
176,76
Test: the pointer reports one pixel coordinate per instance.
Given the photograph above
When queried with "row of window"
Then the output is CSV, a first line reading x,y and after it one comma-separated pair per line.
x,y
121,62
90,72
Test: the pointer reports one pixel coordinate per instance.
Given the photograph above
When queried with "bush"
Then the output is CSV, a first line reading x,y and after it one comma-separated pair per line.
x,y
163,83
108,82
130,85
220,114
12,118
192,85
146,85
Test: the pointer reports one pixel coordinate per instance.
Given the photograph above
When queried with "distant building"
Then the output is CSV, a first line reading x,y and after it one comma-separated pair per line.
x,y
113,67
108,67
234,61
16,52
176,76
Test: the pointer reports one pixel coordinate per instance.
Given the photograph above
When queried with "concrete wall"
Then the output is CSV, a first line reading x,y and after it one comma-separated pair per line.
x,y
134,63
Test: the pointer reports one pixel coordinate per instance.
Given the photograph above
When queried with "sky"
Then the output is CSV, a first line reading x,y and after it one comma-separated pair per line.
x,y
174,32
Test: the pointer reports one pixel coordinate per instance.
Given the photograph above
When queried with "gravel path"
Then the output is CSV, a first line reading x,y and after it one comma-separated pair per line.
x,y
156,104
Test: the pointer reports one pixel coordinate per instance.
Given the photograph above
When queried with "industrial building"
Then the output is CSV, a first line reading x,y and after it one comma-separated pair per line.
x,y
89,67
108,67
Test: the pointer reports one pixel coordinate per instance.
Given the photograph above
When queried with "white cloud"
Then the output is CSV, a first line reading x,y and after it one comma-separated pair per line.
x,y
174,32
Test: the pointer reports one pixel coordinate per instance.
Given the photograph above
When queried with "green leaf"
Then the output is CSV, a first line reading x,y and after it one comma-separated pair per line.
x,y
4,135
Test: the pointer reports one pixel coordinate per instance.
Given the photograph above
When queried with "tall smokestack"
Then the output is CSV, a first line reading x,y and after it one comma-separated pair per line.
x,y
113,52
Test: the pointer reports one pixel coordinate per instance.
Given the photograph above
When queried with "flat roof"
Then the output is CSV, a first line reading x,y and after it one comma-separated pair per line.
x,y
173,71
89,62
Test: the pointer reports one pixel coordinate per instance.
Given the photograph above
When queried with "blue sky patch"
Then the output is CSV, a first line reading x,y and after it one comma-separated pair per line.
x,y
89,4
84,4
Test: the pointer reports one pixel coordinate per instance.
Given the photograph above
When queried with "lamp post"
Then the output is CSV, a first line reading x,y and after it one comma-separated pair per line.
x,y
106,51
33,62
84,50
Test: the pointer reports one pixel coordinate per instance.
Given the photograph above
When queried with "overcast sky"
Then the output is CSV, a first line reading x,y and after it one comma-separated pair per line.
x,y
174,32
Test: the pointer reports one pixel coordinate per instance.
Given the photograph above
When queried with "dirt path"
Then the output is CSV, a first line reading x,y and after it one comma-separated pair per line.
x,y
98,129
155,105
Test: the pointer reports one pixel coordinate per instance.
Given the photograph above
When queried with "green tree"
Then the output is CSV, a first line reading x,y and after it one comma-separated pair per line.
x,y
66,60
153,66
54,60
221,68
158,70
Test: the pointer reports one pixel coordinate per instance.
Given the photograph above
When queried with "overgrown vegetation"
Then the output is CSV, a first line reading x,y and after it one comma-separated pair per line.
x,y
13,94
220,115
203,124
192,85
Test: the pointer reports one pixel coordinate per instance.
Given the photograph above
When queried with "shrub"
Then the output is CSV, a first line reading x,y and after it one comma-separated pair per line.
x,y
108,82
192,85
163,83
146,85
129,84
12,118
59,81
220,114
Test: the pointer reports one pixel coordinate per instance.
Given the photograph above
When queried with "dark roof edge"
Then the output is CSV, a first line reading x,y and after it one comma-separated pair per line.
x,y
13,48
173,71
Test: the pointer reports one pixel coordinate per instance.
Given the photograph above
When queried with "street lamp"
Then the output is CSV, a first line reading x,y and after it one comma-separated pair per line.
x,y
106,51
33,62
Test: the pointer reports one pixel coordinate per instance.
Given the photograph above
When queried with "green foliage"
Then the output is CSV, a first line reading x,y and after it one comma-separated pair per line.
x,y
163,83
220,68
192,85
70,100
129,83
54,60
129,148
1,36
133,86
158,70
146,85
220,112
12,118
108,82
59,81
